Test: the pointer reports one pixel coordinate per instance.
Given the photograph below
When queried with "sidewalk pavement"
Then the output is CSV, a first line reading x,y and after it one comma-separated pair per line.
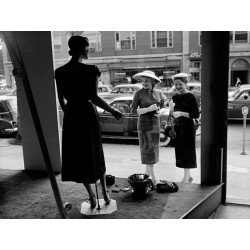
x,y
123,160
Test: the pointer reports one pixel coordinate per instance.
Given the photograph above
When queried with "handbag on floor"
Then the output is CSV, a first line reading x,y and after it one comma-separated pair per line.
x,y
110,179
163,186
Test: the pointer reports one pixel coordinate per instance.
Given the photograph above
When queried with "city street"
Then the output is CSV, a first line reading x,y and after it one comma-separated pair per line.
x,y
123,159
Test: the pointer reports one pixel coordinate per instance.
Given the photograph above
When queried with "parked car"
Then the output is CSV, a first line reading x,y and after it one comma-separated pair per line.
x,y
8,115
110,86
126,128
240,98
103,90
123,90
231,90
194,87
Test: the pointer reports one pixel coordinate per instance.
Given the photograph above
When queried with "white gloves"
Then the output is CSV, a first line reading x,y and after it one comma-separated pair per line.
x,y
160,112
177,114
151,108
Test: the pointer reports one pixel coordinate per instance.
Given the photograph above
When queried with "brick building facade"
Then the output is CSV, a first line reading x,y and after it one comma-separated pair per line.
x,y
120,55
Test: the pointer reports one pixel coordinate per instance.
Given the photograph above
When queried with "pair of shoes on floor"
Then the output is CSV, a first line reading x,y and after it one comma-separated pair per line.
x,y
106,197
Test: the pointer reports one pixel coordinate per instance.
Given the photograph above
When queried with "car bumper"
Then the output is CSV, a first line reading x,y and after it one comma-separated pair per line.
x,y
10,130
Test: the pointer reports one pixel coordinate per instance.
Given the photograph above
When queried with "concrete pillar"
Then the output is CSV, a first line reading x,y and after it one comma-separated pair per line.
x,y
35,49
214,96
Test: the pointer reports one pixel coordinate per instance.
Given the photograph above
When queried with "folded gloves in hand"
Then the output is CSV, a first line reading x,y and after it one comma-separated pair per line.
x,y
177,114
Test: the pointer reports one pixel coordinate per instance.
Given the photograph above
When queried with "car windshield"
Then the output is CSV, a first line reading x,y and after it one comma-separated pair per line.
x,y
123,90
122,107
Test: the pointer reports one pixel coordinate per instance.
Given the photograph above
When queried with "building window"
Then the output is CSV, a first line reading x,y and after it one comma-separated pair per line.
x,y
200,37
57,40
195,71
162,39
239,37
95,40
125,40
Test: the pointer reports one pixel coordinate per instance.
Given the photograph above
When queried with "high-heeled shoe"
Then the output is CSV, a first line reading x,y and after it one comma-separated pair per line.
x,y
106,197
92,201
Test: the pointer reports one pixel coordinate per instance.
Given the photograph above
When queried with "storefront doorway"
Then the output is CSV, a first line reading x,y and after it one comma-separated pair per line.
x,y
240,69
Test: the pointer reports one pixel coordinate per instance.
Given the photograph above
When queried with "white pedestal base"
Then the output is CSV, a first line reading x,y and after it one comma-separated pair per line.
x,y
104,208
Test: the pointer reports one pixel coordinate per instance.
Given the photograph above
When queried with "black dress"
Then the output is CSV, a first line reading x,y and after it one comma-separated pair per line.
x,y
82,152
185,153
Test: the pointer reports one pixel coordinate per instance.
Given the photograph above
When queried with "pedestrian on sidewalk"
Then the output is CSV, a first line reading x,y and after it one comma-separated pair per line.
x,y
185,110
82,152
146,102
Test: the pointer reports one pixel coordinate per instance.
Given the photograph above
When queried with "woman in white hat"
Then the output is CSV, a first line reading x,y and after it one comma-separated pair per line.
x,y
147,101
185,110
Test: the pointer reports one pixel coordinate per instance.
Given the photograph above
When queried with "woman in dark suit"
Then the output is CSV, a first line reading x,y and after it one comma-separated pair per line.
x,y
82,152
185,110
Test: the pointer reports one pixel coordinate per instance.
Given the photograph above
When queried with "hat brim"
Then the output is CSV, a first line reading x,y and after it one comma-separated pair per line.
x,y
139,76
180,75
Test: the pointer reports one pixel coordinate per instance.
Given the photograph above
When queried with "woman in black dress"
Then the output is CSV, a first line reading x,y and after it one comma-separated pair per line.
x,y
82,152
185,110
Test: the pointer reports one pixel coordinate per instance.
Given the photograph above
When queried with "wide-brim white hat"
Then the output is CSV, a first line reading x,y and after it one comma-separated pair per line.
x,y
180,75
146,73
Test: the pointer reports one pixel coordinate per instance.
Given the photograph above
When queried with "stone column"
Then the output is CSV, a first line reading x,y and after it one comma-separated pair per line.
x,y
35,51
214,100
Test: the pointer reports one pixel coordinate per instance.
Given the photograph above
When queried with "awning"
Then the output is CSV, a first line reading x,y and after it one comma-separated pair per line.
x,y
151,65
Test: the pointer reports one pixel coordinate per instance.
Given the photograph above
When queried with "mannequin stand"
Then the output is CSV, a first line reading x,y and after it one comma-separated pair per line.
x,y
101,207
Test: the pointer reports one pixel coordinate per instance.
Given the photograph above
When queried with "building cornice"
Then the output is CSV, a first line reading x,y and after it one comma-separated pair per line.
x,y
138,58
239,54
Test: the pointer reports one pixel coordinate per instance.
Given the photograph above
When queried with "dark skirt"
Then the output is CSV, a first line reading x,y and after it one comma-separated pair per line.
x,y
149,138
82,152
185,152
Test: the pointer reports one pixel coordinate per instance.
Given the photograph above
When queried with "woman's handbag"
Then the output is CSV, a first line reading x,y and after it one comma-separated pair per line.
x,y
169,128
110,179
163,186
